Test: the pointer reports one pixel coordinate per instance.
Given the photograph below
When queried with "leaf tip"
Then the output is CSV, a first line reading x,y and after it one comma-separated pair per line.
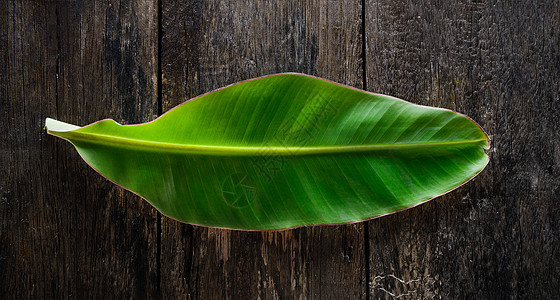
x,y
58,126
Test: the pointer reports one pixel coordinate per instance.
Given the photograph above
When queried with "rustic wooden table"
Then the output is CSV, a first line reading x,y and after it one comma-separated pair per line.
x,y
65,232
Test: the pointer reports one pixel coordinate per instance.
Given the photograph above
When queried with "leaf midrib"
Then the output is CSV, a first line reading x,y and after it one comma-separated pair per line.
x,y
246,151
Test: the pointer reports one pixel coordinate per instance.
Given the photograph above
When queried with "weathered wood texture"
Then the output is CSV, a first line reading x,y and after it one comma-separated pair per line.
x,y
66,232
499,63
209,44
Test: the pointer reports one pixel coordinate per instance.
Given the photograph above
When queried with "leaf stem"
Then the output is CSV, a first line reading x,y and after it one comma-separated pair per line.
x,y
156,146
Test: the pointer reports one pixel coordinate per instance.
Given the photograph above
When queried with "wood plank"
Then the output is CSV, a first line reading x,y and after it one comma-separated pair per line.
x,y
65,230
209,44
499,63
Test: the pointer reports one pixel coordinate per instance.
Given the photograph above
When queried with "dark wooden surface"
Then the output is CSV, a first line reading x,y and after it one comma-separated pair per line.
x,y
65,232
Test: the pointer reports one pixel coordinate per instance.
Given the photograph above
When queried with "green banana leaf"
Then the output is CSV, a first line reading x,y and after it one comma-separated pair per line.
x,y
284,151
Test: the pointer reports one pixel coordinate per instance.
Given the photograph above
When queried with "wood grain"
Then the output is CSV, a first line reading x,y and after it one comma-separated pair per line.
x,y
497,62
65,230
209,44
